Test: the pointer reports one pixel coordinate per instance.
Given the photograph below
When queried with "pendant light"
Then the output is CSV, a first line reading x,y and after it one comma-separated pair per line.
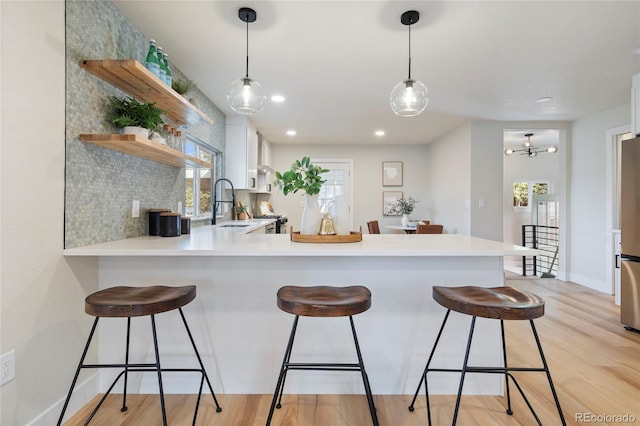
x,y
246,96
409,97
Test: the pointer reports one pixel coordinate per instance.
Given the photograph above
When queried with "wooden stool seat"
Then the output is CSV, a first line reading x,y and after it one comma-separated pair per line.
x,y
506,303
324,301
138,301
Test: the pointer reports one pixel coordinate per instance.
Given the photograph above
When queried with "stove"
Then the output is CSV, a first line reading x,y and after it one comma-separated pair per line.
x,y
280,220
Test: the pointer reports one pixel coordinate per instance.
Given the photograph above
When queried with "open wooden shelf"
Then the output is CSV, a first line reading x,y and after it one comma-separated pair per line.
x,y
140,147
132,77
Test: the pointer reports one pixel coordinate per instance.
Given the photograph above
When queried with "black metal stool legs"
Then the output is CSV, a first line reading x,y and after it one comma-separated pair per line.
x,y
126,368
155,346
204,372
506,366
277,394
423,378
505,370
288,365
365,378
546,369
145,367
75,377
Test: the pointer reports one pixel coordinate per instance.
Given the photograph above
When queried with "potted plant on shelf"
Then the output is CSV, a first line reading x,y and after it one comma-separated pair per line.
x,y
405,207
304,176
135,117
182,86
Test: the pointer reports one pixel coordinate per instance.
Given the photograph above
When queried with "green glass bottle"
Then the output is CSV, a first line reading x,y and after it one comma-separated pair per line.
x,y
163,68
151,62
169,78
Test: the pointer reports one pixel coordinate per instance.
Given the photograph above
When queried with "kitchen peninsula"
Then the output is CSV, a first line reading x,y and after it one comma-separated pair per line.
x,y
241,332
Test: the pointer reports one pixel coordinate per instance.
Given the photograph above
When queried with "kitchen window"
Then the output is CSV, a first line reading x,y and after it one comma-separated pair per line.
x,y
199,180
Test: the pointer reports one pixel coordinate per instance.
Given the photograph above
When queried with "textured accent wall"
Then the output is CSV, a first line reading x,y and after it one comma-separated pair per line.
x,y
100,184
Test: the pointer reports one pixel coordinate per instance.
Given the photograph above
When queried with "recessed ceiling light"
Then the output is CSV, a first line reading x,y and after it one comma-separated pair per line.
x,y
379,132
543,100
277,99
291,132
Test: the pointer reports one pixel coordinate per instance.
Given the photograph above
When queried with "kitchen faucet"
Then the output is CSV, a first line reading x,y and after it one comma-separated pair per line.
x,y
215,202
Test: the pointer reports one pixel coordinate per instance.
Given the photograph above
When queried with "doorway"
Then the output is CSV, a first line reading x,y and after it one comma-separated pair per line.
x,y
335,195
531,189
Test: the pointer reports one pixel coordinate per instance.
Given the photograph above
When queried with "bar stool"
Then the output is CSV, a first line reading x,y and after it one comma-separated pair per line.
x,y
127,302
322,301
503,303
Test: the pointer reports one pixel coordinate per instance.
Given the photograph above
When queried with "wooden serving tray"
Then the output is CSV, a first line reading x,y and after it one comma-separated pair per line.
x,y
352,237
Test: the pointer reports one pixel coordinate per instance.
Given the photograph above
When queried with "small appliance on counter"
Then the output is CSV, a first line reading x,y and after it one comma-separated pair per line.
x,y
267,212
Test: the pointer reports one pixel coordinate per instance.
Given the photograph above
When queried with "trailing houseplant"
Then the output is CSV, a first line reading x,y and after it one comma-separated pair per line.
x,y
304,176
129,112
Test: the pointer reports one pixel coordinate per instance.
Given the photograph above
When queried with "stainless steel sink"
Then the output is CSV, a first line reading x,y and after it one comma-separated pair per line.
x,y
233,226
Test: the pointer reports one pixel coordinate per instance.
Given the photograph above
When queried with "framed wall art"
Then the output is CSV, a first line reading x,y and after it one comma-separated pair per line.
x,y
388,198
392,173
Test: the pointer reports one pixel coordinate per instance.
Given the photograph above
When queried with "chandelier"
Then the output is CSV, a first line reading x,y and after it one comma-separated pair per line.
x,y
530,150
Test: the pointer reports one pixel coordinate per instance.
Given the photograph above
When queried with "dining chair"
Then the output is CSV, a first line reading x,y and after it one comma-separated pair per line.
x,y
429,229
374,228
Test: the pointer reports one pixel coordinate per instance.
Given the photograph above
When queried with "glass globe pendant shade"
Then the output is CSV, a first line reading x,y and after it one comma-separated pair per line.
x,y
246,96
409,98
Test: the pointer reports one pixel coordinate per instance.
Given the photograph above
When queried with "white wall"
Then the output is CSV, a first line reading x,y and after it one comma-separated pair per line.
x,y
449,188
367,179
587,226
42,303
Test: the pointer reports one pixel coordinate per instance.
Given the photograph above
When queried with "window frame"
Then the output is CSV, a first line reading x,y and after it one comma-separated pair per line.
x,y
530,183
216,158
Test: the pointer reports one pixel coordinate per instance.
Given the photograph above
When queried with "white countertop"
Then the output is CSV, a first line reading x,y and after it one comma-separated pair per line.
x,y
220,241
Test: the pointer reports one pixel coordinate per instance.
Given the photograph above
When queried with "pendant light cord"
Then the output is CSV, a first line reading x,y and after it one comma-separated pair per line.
x,y
409,52
247,73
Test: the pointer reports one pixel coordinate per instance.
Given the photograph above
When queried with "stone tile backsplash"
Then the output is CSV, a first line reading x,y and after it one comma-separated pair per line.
x,y
101,184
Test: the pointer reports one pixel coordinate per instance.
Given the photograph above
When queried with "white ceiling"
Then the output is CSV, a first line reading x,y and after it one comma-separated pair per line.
x,y
337,61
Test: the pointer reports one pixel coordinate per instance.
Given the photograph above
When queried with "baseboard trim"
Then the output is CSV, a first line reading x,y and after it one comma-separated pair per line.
x,y
83,393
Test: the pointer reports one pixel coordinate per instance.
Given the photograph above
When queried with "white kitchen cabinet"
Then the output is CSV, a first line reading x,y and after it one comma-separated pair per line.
x,y
265,171
241,153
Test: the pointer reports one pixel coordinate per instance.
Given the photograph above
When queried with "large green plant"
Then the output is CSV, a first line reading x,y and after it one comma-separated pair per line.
x,y
302,176
129,112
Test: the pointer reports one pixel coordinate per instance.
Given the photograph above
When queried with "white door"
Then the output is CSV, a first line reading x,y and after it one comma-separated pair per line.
x,y
335,195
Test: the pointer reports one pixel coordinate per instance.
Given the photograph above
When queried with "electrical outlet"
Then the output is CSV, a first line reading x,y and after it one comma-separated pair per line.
x,y
135,208
7,367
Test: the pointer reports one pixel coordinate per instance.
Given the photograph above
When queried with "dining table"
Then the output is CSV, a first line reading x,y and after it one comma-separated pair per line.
x,y
406,229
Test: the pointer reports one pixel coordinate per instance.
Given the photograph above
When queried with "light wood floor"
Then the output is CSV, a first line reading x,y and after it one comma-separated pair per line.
x,y
595,365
